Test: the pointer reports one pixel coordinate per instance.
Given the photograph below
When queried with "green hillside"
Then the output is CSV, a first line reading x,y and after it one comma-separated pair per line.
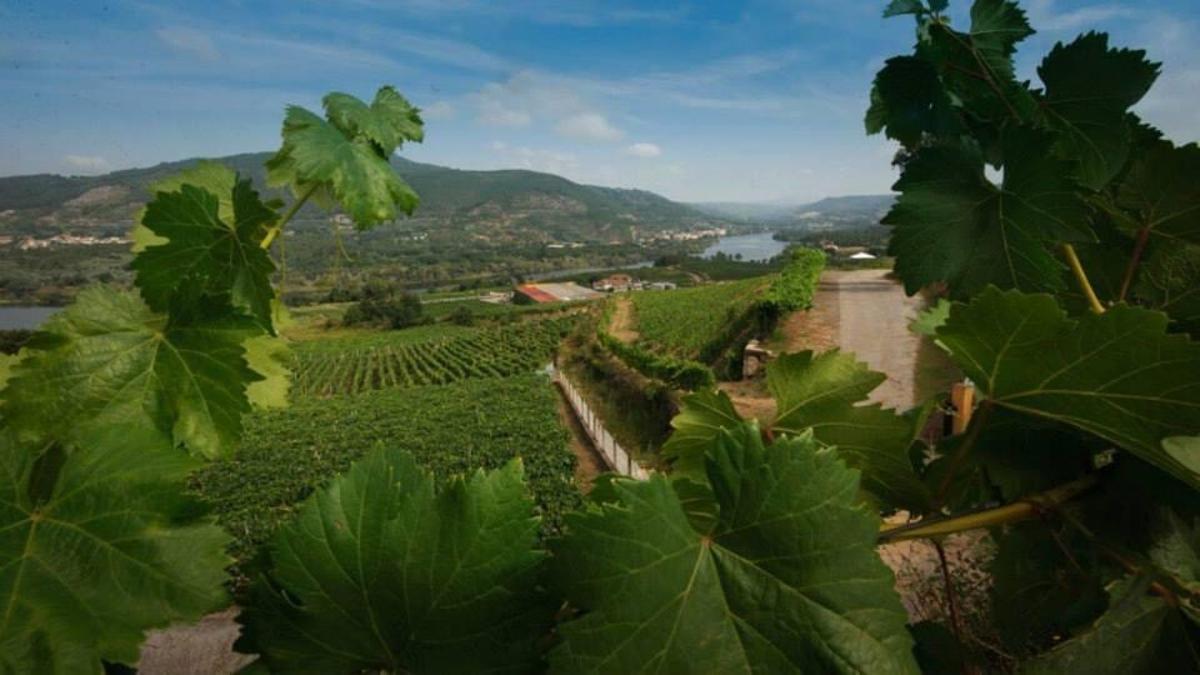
x,y
498,206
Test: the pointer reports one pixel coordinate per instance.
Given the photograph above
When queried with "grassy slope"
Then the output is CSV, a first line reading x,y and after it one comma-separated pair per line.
x,y
683,322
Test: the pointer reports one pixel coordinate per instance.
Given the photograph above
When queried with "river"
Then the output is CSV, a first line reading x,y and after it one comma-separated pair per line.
x,y
756,247
12,318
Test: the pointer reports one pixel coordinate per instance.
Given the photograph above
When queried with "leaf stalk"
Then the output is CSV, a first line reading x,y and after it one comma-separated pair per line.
x,y
1082,279
1139,249
287,216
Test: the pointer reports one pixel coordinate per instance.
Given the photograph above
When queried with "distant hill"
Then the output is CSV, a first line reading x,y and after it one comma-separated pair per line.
x,y
829,213
498,206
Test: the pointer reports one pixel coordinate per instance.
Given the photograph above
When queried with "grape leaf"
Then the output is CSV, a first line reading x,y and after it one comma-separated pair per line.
x,y
347,157
205,255
951,224
786,580
1089,88
700,420
931,318
1162,193
1170,282
108,362
908,101
1118,375
901,7
1139,633
381,573
113,549
826,393
206,175
977,67
388,122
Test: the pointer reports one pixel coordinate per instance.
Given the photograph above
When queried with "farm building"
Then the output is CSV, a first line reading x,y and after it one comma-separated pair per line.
x,y
542,293
615,283
862,255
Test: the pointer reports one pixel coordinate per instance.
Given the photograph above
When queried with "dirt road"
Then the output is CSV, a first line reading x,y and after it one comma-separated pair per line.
x,y
866,313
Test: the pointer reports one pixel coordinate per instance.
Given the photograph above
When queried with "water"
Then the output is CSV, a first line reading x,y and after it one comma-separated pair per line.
x,y
12,318
756,247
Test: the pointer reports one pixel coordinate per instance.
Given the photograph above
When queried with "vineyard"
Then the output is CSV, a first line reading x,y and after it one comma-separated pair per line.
x,y
451,429
689,323
425,355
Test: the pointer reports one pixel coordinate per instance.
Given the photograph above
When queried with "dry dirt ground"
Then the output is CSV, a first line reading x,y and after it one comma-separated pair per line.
x,y
621,326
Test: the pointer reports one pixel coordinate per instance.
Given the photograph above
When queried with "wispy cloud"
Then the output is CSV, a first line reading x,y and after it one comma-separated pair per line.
x,y
588,126
87,163
577,13
644,150
536,159
189,41
1046,15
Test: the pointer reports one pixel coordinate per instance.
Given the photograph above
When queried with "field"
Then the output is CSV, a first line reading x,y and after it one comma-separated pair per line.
x,y
451,429
436,354
688,323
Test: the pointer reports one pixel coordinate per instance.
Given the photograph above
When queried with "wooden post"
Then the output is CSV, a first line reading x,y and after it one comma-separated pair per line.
x,y
962,396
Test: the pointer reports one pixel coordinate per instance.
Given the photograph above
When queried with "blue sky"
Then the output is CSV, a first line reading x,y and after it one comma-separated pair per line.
x,y
701,101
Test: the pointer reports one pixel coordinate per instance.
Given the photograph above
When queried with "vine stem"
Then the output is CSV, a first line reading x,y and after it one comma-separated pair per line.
x,y
287,217
951,600
1082,279
978,421
1139,249
1023,509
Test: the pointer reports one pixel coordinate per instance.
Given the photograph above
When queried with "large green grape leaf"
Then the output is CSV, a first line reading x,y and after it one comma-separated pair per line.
x,y
1162,194
112,549
388,122
700,420
908,101
827,393
204,254
1140,633
268,356
977,67
902,7
380,572
1089,88
785,579
953,225
1118,375
108,362
347,157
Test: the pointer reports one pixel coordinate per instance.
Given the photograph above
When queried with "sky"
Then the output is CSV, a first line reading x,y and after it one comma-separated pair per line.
x,y
724,100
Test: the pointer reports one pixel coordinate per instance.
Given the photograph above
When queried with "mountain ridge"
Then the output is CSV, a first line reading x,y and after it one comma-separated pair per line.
x,y
501,205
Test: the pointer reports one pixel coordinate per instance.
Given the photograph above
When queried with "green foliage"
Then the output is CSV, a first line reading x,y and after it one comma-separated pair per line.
x,y
449,429
680,373
1117,375
428,355
182,377
954,225
795,286
1087,387
206,254
346,157
381,571
696,323
97,546
821,395
386,307
106,405
773,569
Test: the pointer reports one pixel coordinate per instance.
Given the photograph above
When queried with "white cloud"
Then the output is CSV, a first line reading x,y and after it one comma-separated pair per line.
x,y
86,163
588,126
1045,16
644,150
536,159
190,42
438,110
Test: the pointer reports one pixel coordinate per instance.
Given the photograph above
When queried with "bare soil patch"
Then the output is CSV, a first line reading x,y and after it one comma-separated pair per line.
x,y
622,325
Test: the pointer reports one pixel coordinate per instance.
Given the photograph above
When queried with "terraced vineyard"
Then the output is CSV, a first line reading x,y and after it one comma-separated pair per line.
x,y
692,323
425,355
